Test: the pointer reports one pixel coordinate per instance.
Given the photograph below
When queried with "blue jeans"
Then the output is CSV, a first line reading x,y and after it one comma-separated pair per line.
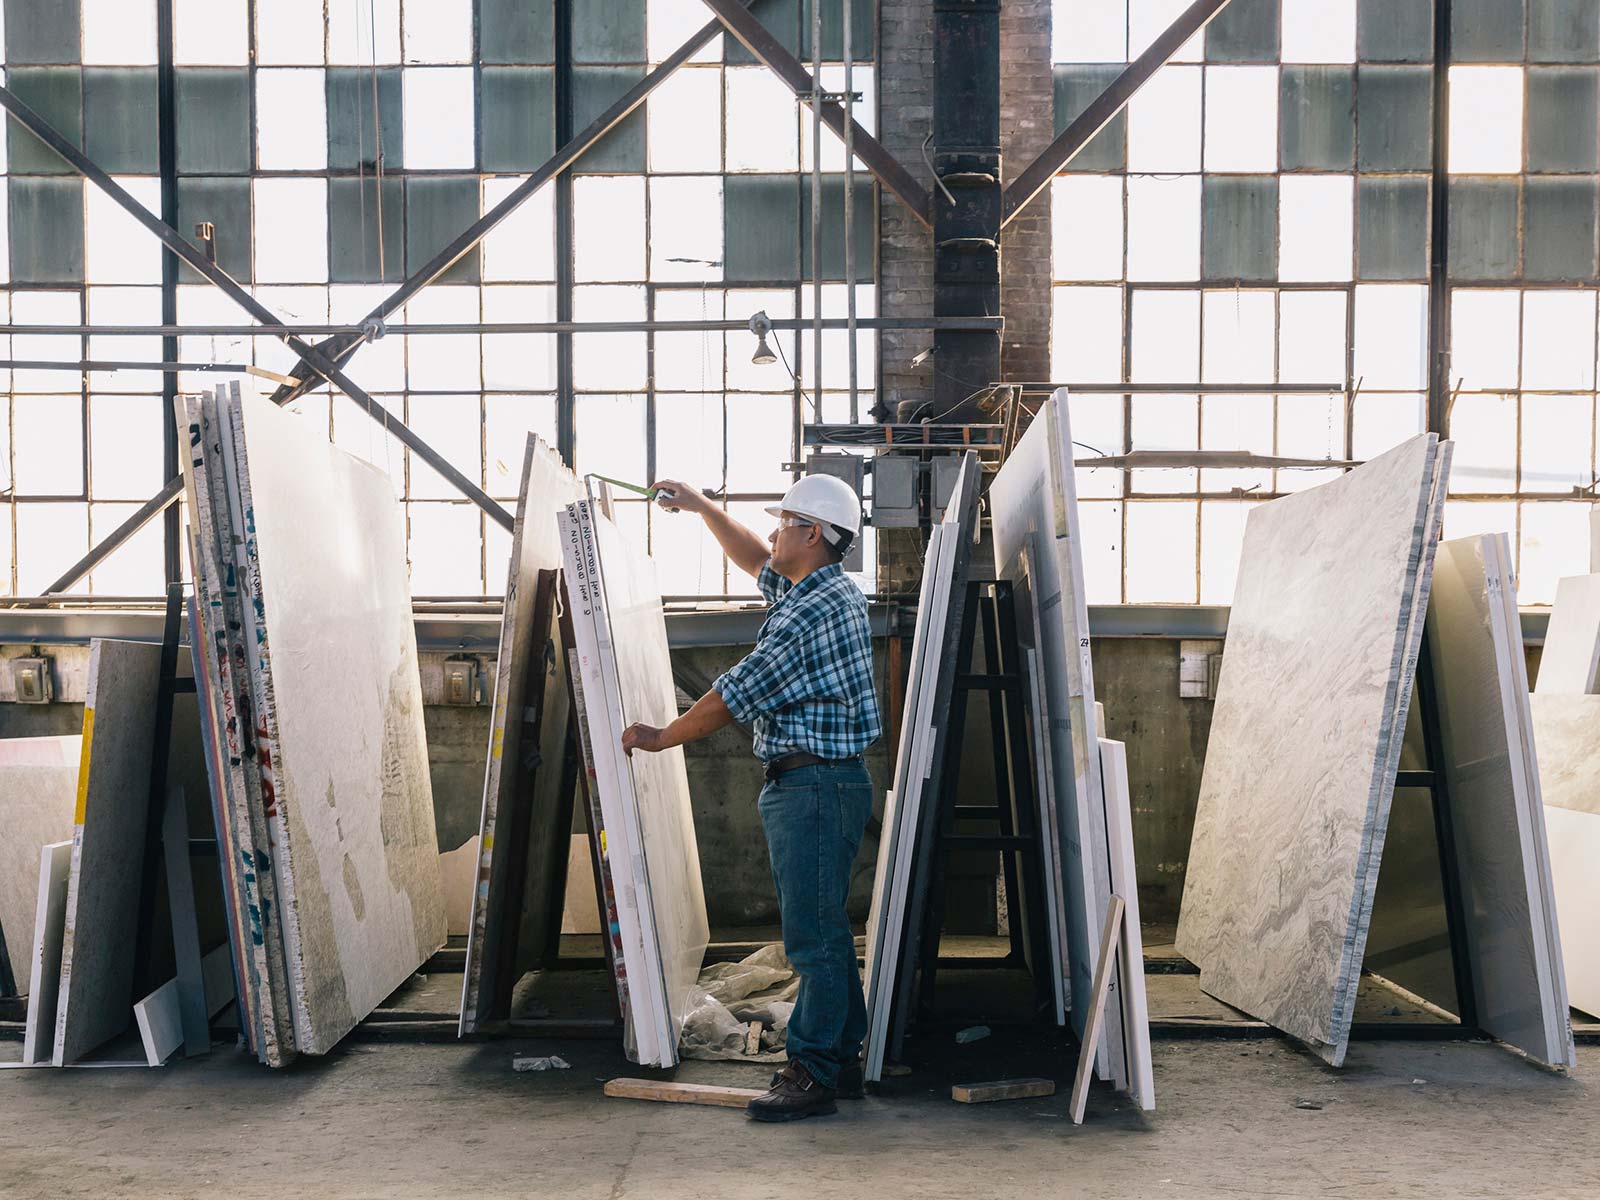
x,y
814,817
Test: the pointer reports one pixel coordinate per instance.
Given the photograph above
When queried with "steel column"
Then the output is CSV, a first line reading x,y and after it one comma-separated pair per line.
x,y
966,220
1439,238
167,119
566,404
1106,106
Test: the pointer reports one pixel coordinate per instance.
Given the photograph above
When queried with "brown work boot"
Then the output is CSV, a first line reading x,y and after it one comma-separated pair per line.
x,y
794,1094
851,1084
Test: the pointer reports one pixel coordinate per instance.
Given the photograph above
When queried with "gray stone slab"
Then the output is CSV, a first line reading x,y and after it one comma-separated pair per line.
x,y
44,973
521,666
1304,742
1481,682
101,923
342,747
38,791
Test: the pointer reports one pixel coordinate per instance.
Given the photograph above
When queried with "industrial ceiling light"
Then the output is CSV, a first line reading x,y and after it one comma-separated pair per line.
x,y
761,325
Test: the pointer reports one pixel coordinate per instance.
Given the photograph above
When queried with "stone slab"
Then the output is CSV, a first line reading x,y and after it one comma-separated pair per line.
x,y
1574,850
1570,664
1315,676
38,790
44,976
100,927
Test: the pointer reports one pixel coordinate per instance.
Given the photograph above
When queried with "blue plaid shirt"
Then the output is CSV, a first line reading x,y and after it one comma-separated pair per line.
x,y
807,686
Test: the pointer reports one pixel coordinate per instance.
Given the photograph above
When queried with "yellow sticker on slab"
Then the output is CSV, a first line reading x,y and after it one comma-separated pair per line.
x,y
83,764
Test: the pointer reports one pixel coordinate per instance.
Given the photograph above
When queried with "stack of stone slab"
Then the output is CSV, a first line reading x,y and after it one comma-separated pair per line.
x,y
318,770
524,776
641,817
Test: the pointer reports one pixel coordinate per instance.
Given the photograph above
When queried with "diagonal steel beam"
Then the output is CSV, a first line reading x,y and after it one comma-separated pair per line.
x,y
341,346
1104,107
758,39
190,254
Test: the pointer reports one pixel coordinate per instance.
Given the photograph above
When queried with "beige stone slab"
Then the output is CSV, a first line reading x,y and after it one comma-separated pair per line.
x,y
1570,663
1566,731
340,708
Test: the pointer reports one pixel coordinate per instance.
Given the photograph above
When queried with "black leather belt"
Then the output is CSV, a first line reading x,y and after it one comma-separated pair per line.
x,y
793,762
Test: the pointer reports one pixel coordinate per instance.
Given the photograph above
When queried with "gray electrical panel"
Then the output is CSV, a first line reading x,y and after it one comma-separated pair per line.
x,y
894,492
852,469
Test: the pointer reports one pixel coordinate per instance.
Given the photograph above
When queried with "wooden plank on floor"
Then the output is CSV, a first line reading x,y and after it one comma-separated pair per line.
x,y
1097,1007
681,1093
1002,1089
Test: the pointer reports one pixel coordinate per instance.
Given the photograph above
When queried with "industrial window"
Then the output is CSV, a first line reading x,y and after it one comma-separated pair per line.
x,y
1261,217
335,145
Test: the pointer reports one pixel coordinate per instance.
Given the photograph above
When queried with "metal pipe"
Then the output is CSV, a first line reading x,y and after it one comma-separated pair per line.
x,y
167,156
426,328
816,224
849,197
1438,415
1161,389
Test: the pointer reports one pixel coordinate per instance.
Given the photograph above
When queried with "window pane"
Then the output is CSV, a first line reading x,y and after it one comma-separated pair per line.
x,y
291,120
608,238
1383,422
446,550
439,31
1485,120
1391,336
611,436
122,32
210,33
1165,337
1086,225
686,228
1558,330
1166,423
1239,337
361,32
124,447
1161,552
1557,443
1100,523
1554,542
288,32
50,538
1319,31
685,121
1311,337
1316,226
438,109
1483,338
47,445
1086,335
1241,125
1163,227
451,425
1164,122
507,422
291,222
1484,429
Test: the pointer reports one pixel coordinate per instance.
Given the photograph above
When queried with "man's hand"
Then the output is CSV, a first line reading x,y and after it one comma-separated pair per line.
x,y
641,737
684,498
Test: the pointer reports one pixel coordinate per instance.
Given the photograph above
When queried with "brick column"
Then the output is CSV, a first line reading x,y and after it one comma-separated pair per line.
x,y
1027,126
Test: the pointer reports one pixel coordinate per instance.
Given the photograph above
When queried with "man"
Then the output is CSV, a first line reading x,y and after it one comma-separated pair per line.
x,y
807,690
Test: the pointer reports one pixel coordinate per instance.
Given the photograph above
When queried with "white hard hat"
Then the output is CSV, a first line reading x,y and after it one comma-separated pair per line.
x,y
823,498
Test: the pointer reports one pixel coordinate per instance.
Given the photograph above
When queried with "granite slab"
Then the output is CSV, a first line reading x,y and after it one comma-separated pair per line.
x,y
44,974
342,757
100,925
1299,771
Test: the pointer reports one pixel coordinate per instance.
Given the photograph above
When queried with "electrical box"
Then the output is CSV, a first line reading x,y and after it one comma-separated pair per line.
x,y
894,492
461,681
31,679
946,469
852,469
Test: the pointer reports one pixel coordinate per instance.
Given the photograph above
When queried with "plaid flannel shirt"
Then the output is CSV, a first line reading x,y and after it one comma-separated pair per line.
x,y
807,685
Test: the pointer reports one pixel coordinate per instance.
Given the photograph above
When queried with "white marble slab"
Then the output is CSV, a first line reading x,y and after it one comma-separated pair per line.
x,y
1033,509
100,926
1574,838
1567,733
1132,1066
1300,764
1481,683
38,791
1570,663
524,666
343,751
44,976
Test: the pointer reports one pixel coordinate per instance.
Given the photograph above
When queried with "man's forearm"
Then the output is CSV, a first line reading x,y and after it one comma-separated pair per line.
x,y
707,715
748,552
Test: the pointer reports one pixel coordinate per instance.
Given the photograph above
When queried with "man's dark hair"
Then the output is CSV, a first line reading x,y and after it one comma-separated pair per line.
x,y
842,547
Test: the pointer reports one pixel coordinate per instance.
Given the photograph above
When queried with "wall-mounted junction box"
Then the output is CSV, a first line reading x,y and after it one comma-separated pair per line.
x,y
32,681
461,681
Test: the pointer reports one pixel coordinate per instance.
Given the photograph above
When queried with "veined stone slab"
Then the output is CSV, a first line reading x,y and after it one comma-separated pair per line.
x,y
342,750
1033,505
530,695
1501,858
1132,1066
1567,733
1574,850
1316,676
100,928
1570,664
38,789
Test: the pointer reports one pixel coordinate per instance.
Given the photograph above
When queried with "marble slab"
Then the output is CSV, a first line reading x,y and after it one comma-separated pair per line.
x,y
38,791
100,926
1570,663
44,975
1481,684
622,647
1317,670
343,762
1567,733
1033,507
1574,850
530,698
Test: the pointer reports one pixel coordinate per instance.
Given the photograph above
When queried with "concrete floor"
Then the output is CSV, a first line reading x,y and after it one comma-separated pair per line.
x,y
1399,1120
